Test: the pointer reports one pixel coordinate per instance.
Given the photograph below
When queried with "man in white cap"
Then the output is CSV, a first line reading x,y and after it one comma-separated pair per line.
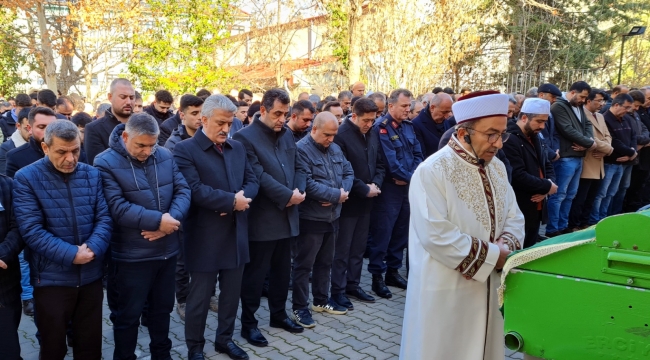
x,y
533,178
464,223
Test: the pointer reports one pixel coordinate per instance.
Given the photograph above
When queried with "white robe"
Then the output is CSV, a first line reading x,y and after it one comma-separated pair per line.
x,y
458,211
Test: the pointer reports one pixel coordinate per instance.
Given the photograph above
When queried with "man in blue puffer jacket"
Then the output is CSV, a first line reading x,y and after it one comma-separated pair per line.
x,y
148,198
66,225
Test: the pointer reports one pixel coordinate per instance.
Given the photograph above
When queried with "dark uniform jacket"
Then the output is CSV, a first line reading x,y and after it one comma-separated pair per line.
x,y
400,148
527,158
216,236
363,154
274,159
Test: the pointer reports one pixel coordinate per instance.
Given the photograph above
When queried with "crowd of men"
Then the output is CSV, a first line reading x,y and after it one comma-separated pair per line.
x,y
160,207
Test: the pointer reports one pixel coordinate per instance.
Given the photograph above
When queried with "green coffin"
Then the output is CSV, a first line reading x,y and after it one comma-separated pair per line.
x,y
590,301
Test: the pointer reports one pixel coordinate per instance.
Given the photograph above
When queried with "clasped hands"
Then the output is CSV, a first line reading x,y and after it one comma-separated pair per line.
x,y
167,226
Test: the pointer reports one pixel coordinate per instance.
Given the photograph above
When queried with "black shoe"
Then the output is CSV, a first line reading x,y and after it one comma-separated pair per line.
x,y
254,337
360,295
195,356
342,300
28,307
288,325
393,278
552,234
379,287
232,350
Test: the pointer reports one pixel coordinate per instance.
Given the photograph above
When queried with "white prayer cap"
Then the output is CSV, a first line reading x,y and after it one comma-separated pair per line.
x,y
536,106
479,105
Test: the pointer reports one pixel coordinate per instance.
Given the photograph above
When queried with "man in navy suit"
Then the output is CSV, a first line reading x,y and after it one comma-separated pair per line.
x,y
216,244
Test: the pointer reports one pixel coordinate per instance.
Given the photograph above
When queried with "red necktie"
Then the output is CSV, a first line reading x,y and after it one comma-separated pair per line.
x,y
219,147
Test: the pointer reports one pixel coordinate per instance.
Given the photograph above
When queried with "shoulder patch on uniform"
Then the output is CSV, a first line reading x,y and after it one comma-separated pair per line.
x,y
394,137
383,131
385,121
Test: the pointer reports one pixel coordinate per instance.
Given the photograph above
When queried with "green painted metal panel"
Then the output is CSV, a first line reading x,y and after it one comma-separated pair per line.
x,y
568,318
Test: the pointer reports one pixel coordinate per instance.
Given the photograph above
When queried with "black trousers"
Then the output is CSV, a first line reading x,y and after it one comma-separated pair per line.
x,y
314,252
273,257
634,197
348,252
10,312
198,301
111,288
139,282
532,228
182,276
56,306
583,202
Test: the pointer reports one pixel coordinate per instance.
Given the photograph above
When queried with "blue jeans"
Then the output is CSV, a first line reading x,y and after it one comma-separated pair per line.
x,y
608,187
28,290
567,173
616,206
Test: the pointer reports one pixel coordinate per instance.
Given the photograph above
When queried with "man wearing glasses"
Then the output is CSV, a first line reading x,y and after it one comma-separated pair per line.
x,y
464,223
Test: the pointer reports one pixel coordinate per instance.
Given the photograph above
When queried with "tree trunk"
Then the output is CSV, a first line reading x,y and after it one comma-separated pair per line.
x,y
354,33
46,49
89,83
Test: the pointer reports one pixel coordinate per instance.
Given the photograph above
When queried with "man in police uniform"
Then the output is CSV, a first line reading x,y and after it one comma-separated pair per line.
x,y
400,151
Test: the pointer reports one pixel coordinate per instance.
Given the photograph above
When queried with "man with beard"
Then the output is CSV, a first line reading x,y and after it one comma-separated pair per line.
x,y
39,118
575,136
302,113
430,124
160,109
593,169
550,93
97,134
533,177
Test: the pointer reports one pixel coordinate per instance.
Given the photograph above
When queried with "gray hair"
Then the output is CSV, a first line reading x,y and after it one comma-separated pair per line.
x,y
102,109
532,92
314,98
217,102
142,124
377,96
512,99
65,130
345,95
394,95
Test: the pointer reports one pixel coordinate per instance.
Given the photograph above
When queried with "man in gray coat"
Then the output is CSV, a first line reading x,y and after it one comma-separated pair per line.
x,y
329,180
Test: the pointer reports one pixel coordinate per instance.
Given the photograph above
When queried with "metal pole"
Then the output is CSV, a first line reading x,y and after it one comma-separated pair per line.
x,y
620,62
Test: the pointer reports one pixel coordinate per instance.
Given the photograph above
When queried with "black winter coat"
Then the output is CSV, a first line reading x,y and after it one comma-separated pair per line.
x,y
526,160
216,237
138,194
368,166
7,125
274,159
22,156
10,245
167,128
97,135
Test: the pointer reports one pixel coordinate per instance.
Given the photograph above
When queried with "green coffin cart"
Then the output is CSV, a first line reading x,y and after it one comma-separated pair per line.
x,y
584,295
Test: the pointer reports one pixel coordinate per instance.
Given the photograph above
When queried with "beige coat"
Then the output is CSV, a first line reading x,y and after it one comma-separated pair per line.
x,y
593,168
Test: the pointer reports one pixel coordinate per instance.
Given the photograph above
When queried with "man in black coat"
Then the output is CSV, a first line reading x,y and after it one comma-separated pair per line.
x,y
361,147
533,177
431,123
160,109
32,151
98,133
274,216
216,231
10,245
